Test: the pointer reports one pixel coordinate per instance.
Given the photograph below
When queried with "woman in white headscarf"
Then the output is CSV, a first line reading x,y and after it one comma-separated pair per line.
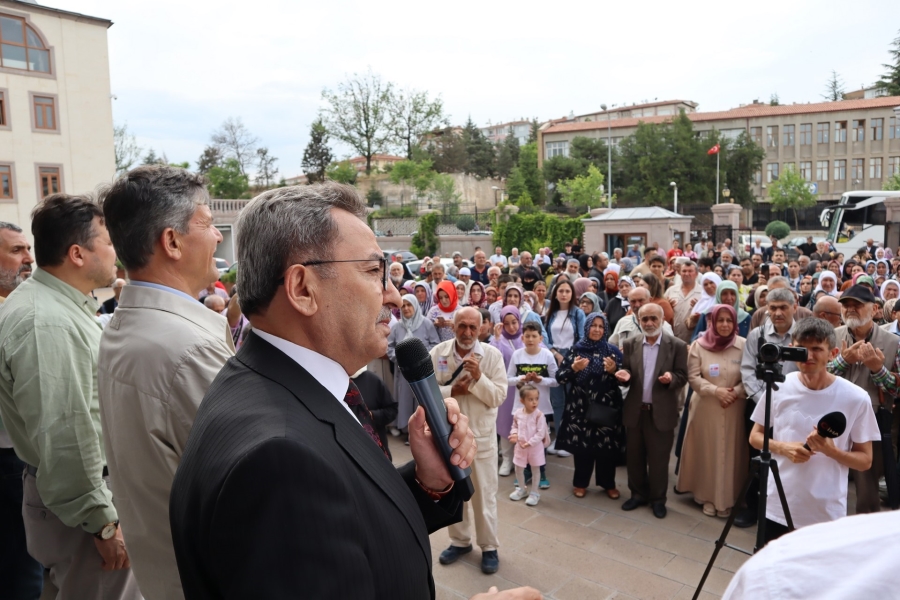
x,y
709,283
412,323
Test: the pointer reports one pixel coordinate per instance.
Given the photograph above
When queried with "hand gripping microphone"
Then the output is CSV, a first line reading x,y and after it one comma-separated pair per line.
x,y
415,364
831,425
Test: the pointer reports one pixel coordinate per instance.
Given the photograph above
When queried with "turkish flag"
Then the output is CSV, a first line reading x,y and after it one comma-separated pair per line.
x,y
713,150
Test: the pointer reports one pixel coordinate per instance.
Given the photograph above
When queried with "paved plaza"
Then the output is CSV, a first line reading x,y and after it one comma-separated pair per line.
x,y
589,548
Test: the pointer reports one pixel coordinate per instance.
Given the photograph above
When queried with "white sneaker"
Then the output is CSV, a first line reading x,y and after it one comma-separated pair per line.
x,y
563,454
506,467
519,494
533,499
394,431
551,449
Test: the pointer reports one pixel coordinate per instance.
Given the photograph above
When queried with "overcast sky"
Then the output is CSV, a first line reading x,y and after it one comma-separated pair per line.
x,y
179,68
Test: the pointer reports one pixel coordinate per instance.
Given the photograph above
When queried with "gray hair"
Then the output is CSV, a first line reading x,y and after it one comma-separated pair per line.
x,y
10,226
604,255
146,201
779,280
814,329
781,295
287,226
573,261
688,263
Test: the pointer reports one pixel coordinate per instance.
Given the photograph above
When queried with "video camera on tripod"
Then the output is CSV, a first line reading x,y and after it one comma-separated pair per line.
x,y
770,356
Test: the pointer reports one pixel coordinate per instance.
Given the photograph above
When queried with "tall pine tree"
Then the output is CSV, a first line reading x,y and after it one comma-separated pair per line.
x,y
890,81
317,155
481,161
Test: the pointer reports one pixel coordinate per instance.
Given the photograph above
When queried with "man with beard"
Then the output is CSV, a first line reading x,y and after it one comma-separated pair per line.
x,y
20,575
657,363
527,272
49,342
480,388
867,358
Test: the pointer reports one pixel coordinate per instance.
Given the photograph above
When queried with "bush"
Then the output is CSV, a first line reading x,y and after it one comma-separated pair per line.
x,y
373,197
533,231
229,277
465,223
779,229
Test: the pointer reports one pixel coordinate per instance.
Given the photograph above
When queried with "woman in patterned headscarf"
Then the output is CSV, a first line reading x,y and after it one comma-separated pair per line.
x,y
507,339
477,295
588,371
422,292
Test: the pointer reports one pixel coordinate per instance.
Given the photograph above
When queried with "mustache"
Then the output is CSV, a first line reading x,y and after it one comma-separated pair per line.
x,y
24,269
384,315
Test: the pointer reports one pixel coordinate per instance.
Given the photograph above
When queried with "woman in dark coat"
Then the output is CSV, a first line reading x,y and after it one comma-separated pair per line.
x,y
587,371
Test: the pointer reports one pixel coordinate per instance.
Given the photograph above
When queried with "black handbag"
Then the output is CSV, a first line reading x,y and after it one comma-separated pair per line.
x,y
604,415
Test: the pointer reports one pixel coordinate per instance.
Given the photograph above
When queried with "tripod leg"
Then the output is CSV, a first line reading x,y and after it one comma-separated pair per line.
x,y
781,496
728,524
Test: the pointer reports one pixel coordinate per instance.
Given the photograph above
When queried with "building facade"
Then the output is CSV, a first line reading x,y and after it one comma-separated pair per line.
x,y
56,126
840,146
520,130
379,162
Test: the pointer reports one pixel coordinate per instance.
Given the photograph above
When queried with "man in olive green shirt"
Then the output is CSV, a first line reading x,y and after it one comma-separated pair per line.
x,y
49,341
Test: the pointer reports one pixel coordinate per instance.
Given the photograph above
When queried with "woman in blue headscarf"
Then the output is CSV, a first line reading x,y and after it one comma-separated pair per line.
x,y
588,369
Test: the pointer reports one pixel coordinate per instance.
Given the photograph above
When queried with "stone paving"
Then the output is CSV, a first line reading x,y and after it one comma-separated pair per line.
x,y
571,548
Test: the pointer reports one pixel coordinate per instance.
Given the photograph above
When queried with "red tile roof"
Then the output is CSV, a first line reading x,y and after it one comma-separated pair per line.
x,y
743,112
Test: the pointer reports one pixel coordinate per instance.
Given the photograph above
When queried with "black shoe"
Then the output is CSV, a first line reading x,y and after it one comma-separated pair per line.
x,y
632,503
746,518
659,510
490,562
452,554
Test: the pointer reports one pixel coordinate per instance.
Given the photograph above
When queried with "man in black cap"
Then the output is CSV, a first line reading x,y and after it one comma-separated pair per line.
x,y
868,355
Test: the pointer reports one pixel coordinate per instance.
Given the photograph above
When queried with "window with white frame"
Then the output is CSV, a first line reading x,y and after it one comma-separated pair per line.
x,y
557,149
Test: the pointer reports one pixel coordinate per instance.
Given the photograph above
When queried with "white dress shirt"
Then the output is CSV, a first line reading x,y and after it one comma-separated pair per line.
x,y
651,352
328,373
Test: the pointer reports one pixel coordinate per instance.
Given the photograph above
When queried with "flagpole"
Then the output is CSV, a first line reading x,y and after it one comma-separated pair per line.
x,y
717,174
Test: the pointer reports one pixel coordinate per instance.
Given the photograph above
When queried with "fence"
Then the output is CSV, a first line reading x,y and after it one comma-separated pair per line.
x,y
450,224
807,218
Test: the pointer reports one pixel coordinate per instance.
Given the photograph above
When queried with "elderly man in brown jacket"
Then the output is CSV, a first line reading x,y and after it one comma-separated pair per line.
x,y
656,365
158,355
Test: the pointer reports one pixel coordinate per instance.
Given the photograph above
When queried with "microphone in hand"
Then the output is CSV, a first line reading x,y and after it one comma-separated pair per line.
x,y
831,425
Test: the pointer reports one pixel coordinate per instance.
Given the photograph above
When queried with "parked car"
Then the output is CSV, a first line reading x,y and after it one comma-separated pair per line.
x,y
405,255
222,265
415,265
791,245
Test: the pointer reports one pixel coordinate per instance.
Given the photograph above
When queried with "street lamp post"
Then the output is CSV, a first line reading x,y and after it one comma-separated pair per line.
x,y
675,187
608,153
726,193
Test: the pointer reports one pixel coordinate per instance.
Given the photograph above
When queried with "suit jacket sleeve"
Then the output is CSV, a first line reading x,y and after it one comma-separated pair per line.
x,y
273,540
679,365
384,409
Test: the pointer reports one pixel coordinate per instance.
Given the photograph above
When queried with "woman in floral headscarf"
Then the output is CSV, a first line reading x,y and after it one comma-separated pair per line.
x,y
442,313
477,295
588,369
714,456
422,292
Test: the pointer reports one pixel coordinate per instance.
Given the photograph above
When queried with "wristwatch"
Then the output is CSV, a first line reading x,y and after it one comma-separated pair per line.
x,y
108,531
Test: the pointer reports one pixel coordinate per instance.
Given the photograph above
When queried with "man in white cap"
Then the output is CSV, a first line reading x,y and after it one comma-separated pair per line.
x,y
465,275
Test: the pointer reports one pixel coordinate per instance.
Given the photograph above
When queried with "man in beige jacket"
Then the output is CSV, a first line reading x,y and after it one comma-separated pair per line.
x,y
479,387
158,355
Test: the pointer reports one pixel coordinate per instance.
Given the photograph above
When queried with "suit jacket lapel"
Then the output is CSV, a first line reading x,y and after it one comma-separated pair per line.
x,y
663,351
273,364
639,368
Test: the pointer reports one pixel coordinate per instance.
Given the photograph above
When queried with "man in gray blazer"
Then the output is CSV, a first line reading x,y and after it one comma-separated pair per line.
x,y
656,365
158,355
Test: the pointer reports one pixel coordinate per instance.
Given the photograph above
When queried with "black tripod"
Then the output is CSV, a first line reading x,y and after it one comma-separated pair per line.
x,y
759,466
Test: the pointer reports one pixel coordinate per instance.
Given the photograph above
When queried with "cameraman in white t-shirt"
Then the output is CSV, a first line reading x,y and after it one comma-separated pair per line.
x,y
815,480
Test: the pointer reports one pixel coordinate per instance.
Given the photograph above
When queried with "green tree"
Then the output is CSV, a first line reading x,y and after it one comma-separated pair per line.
x,y
774,100
892,182
413,115
317,155
152,159
425,241
834,88
266,171
741,160
583,191
127,150
533,132
526,176
507,153
465,223
342,172
227,180
444,193
181,165
446,149
791,191
418,174
374,197
480,158
890,81
211,157
359,114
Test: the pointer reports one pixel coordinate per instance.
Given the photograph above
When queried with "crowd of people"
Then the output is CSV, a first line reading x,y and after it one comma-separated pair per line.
x,y
607,359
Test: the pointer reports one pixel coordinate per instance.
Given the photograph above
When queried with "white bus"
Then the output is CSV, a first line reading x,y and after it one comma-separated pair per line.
x,y
857,217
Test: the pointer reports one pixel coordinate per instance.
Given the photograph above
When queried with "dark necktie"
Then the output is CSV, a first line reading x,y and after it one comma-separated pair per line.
x,y
355,401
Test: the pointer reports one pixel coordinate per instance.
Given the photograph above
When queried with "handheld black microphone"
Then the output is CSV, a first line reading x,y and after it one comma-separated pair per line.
x,y
831,425
415,364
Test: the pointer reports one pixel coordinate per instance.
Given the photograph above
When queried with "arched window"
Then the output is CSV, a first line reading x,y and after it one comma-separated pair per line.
x,y
21,47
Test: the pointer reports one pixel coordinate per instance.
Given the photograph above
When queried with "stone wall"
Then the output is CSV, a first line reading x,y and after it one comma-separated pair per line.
x,y
448,244
473,192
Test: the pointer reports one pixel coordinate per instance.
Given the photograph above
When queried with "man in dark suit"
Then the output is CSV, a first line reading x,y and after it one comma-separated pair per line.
x,y
283,489
656,365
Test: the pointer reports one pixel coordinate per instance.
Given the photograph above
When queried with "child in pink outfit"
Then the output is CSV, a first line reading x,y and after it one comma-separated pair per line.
x,y
529,429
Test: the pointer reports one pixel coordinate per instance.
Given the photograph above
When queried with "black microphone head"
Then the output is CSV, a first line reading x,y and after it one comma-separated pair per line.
x,y
414,360
832,425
